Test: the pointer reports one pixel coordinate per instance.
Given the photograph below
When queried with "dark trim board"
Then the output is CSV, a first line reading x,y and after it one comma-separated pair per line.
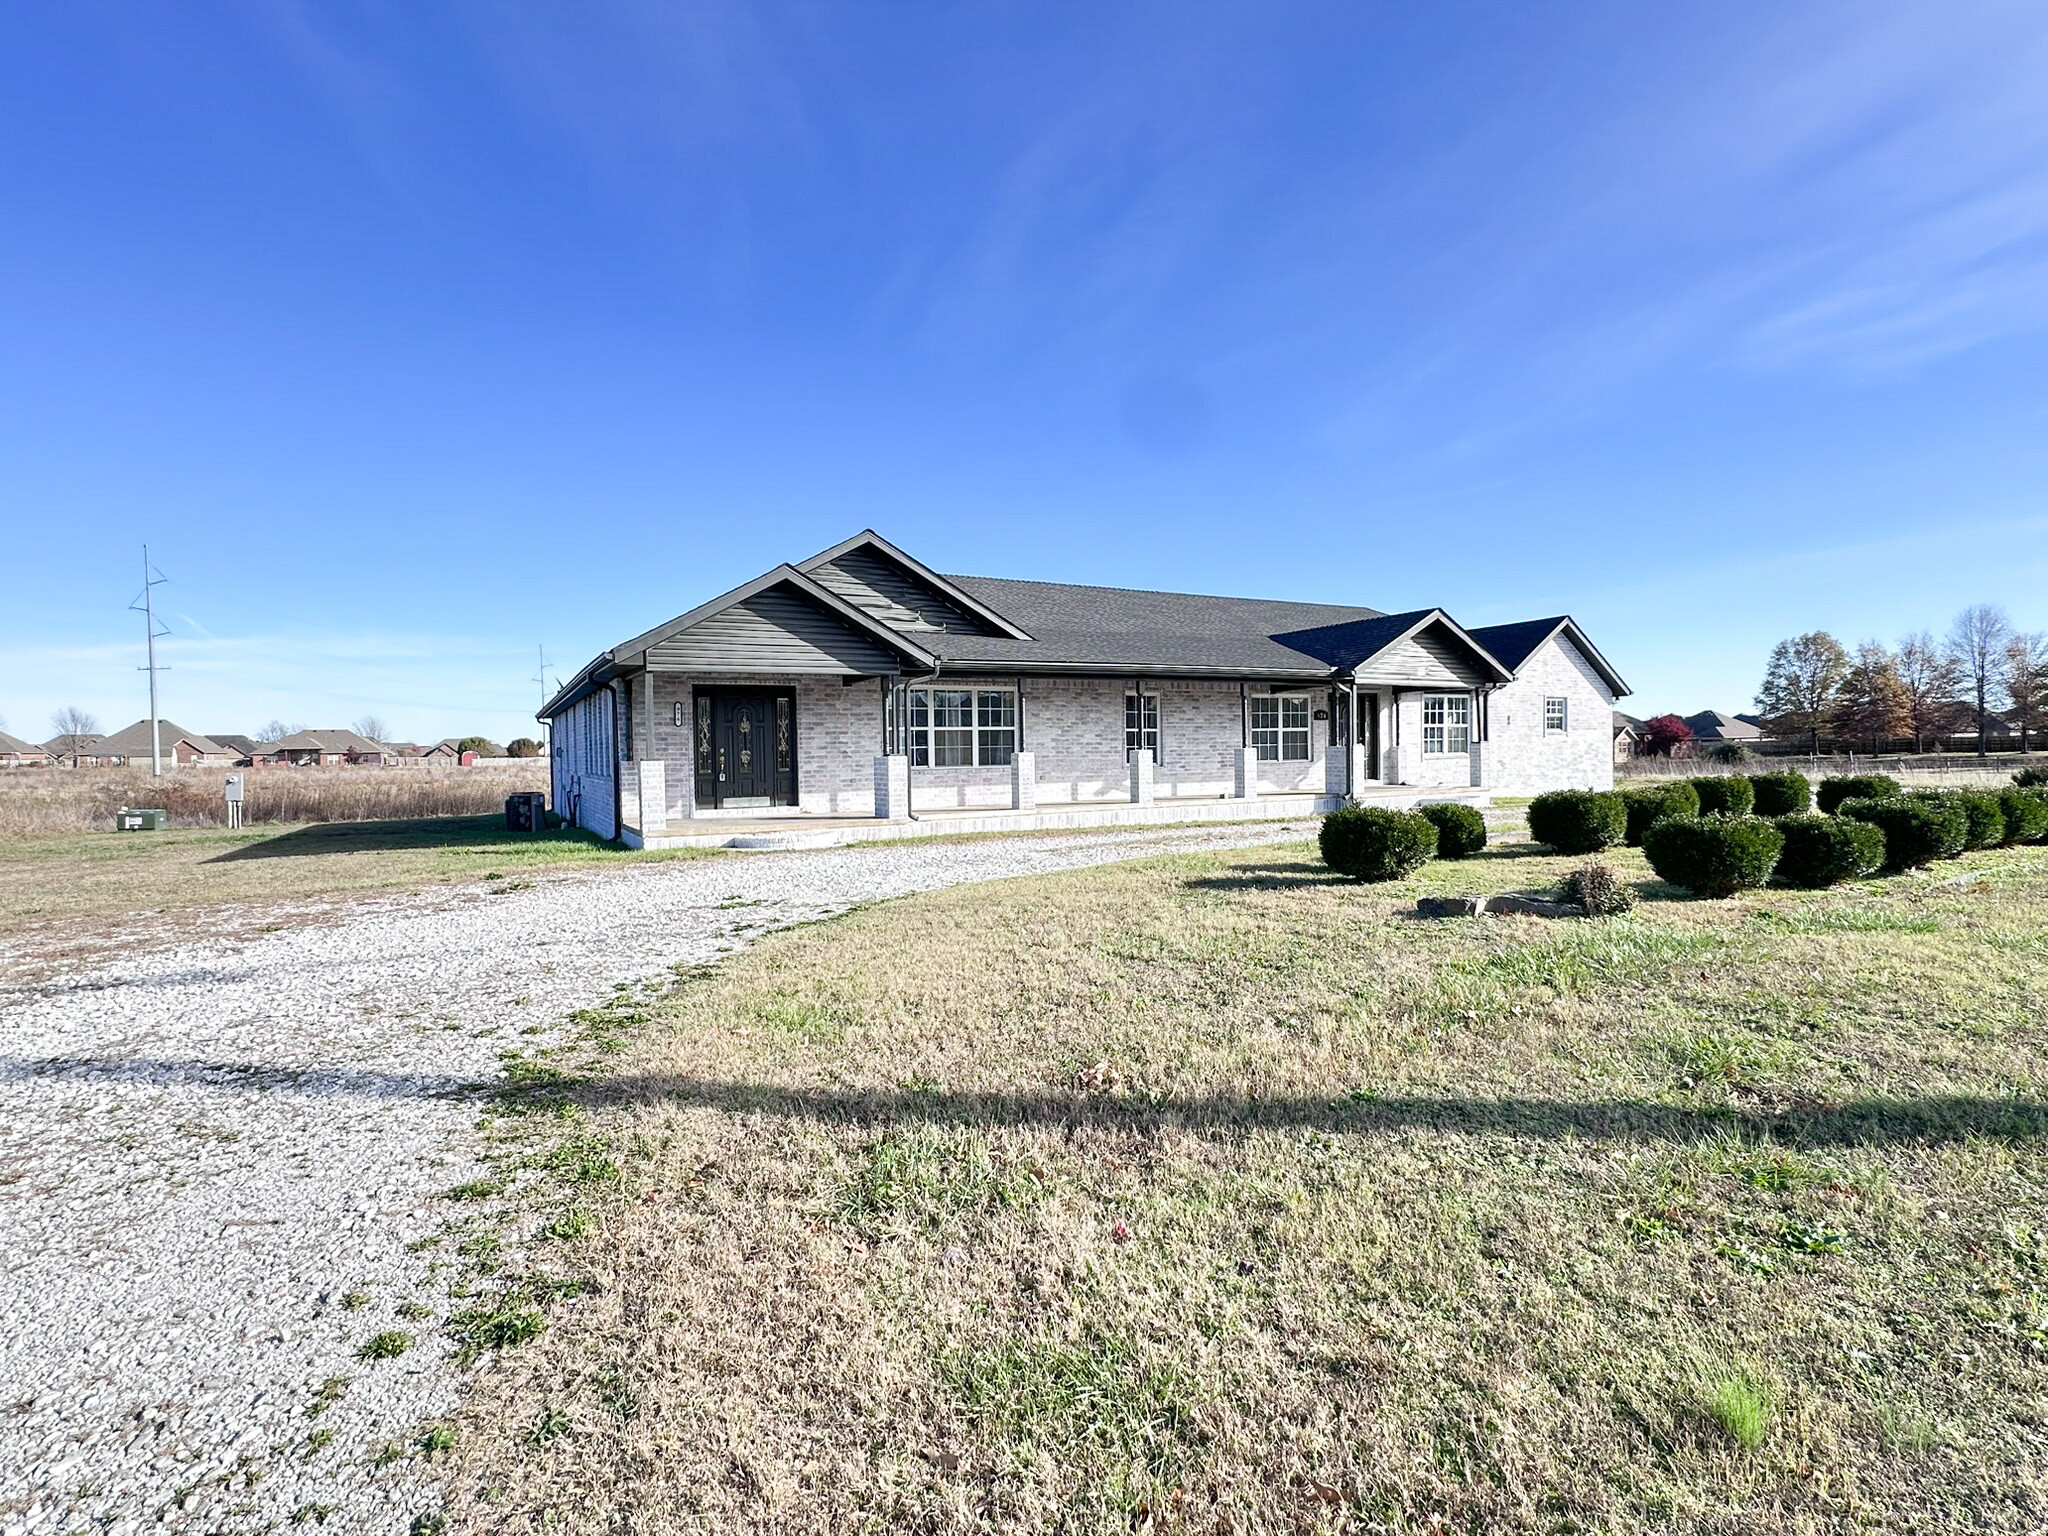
x,y
724,720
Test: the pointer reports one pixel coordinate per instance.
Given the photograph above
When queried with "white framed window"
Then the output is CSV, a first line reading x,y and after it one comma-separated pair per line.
x,y
1280,729
1557,715
962,727
1446,723
1141,724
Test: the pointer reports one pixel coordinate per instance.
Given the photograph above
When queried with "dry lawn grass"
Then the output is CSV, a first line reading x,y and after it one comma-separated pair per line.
x,y
63,886
1211,1194
51,802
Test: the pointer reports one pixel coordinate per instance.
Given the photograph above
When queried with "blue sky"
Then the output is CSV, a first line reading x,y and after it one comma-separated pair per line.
x,y
413,336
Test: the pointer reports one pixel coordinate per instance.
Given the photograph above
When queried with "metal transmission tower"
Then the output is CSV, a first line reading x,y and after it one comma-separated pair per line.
x,y
541,677
152,628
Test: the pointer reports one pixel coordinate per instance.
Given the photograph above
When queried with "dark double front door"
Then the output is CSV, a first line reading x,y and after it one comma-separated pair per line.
x,y
746,747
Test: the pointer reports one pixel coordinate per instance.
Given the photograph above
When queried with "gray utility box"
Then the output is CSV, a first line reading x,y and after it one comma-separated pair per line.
x,y
526,813
141,821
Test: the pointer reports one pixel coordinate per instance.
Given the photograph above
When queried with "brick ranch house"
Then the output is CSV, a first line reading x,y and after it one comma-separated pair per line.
x,y
861,684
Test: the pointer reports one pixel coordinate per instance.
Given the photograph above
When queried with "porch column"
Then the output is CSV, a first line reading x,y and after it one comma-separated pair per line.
x,y
1247,787
653,796
1141,774
1024,781
892,786
1482,749
1393,751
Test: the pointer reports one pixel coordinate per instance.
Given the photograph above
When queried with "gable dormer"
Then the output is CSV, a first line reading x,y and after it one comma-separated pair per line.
x,y
874,576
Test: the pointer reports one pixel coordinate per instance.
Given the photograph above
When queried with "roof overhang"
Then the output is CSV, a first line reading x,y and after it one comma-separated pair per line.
x,y
1568,627
632,656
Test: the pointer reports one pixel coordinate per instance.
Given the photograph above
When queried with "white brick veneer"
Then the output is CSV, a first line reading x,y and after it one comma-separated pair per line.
x,y
1526,759
1074,730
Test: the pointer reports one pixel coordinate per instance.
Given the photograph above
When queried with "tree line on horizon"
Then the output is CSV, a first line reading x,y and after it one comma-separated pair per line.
x,y
1925,689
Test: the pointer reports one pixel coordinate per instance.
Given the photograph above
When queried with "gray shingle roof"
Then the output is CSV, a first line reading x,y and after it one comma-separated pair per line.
x,y
134,740
16,744
1119,626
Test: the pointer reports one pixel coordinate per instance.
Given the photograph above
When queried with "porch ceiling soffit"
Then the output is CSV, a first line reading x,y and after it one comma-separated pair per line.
x,y
632,656
1362,648
867,538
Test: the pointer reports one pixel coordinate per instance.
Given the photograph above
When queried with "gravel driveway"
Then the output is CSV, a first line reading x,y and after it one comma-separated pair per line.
x,y
214,1156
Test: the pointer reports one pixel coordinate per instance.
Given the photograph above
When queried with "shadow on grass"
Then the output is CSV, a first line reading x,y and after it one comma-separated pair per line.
x,y
426,832
1927,1121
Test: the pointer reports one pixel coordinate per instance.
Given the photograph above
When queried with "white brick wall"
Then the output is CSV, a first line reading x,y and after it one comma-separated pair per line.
x,y
1527,760
1074,727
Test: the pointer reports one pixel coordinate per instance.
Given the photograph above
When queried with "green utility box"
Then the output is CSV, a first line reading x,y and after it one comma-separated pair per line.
x,y
141,821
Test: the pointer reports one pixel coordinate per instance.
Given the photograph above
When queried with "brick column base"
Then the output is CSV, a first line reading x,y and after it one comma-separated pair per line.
x,y
1141,776
653,797
1024,782
892,787
1247,773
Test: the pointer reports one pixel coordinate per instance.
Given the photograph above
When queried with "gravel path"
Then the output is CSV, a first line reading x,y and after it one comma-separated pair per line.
x,y
214,1156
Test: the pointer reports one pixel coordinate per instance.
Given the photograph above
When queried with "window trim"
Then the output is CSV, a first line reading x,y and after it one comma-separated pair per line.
x,y
1564,714
1454,714
988,746
1281,734
1145,708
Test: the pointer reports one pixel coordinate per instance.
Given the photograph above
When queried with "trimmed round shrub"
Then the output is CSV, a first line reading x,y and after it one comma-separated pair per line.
x,y
1788,793
1460,829
2026,815
1916,832
1726,796
1985,816
1368,842
1578,820
1714,855
1653,802
2031,778
1825,850
1855,786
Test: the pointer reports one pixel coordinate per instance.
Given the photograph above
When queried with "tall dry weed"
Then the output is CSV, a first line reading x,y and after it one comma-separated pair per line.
x,y
51,802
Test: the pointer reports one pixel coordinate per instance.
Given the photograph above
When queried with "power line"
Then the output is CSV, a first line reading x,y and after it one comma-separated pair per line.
x,y
152,629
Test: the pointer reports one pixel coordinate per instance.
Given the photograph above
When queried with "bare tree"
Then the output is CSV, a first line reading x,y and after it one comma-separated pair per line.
x,y
371,727
72,723
1871,704
1801,683
1976,643
2026,683
277,730
1931,681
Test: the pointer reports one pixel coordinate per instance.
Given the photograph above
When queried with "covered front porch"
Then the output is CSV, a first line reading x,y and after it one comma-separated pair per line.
x,y
795,828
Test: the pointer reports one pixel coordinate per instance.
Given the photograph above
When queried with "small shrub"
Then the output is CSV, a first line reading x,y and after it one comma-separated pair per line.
x,y
2031,778
1368,842
1916,832
1598,889
1460,829
1729,795
1984,819
2026,815
1714,855
1855,786
1789,793
1578,820
1825,850
1647,803
1731,752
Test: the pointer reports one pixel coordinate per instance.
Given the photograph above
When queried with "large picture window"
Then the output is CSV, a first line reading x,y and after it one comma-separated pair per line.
x,y
1280,729
962,727
1446,723
1141,724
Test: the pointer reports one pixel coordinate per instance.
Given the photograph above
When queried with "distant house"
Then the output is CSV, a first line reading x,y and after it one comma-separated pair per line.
x,y
78,750
244,747
315,749
1711,727
16,753
1628,736
137,743
449,750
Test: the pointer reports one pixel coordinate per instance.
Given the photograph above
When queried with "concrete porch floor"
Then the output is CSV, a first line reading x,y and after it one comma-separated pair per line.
x,y
796,830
